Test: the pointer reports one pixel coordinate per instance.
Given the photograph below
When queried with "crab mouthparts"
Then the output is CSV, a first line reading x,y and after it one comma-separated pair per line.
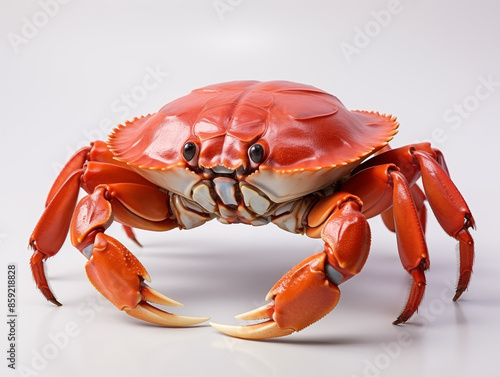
x,y
219,169
224,190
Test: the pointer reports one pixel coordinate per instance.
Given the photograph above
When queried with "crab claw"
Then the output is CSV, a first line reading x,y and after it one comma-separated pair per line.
x,y
117,274
301,297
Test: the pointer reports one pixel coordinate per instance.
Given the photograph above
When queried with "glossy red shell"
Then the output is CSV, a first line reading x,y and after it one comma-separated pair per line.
x,y
300,127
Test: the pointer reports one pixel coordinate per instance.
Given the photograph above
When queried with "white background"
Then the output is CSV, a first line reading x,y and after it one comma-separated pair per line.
x,y
66,70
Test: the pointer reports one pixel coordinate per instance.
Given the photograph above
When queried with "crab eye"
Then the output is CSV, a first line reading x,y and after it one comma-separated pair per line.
x,y
189,151
256,153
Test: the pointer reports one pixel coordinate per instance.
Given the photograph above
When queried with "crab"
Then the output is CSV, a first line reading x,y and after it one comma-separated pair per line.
x,y
254,153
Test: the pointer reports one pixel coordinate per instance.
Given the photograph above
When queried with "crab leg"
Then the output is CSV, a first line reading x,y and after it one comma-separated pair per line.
x,y
448,205
309,291
446,202
101,170
451,211
86,169
390,190
113,270
51,230
97,151
416,192
74,164
411,243
419,200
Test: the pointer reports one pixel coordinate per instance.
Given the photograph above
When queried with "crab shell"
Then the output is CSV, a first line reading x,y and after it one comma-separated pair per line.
x,y
310,139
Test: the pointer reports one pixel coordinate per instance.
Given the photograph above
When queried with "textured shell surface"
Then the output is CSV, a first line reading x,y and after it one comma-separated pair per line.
x,y
309,139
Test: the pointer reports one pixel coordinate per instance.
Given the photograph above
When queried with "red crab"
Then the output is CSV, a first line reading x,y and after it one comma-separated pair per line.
x,y
253,152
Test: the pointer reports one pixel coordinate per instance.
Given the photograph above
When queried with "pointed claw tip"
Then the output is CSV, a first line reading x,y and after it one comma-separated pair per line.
x,y
152,295
263,312
54,301
134,240
149,313
401,319
246,316
264,330
270,296
458,293
226,329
